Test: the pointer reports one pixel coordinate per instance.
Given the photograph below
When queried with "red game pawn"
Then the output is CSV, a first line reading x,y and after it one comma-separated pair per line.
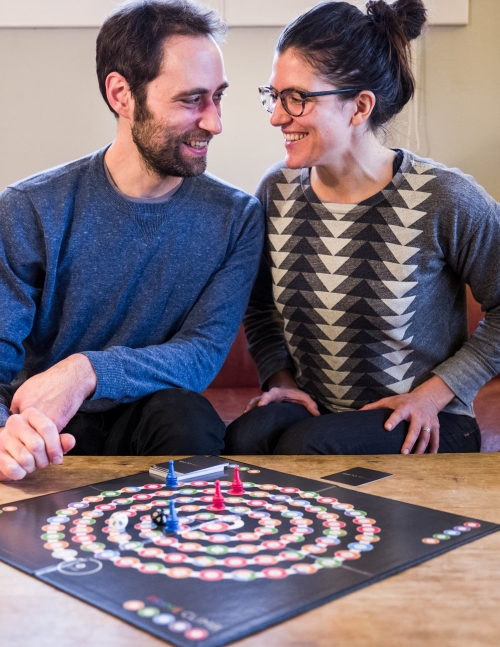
x,y
218,500
237,485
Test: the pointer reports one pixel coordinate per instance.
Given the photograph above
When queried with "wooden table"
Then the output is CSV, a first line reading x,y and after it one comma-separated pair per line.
x,y
450,601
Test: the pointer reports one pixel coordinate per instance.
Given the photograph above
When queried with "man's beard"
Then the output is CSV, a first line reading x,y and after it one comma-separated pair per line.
x,y
160,151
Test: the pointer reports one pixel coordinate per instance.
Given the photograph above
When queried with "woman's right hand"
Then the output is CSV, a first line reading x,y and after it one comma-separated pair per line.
x,y
284,394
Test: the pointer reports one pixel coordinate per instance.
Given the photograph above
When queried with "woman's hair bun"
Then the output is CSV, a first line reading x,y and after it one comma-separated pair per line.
x,y
353,51
410,14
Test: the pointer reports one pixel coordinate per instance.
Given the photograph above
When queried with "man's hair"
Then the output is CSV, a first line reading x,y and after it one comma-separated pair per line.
x,y
131,39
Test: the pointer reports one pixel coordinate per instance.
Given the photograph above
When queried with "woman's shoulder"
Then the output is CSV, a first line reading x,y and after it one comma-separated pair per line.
x,y
278,174
448,186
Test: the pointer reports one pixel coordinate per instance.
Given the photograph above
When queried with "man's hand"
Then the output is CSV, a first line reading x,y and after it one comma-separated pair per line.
x,y
420,408
41,408
58,392
28,441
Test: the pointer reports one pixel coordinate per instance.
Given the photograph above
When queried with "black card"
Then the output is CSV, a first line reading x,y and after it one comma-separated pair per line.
x,y
357,476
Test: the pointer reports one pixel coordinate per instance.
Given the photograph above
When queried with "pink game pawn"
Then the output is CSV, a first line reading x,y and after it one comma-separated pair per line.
x,y
218,500
237,485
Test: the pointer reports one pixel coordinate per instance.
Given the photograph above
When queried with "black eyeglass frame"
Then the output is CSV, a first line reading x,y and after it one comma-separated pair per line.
x,y
263,89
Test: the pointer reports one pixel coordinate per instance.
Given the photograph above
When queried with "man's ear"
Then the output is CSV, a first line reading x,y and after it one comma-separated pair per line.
x,y
119,95
365,102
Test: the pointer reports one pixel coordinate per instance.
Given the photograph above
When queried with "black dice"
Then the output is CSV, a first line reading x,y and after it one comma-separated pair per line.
x,y
159,517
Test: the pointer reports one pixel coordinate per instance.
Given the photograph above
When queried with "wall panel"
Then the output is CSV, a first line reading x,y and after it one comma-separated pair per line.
x,y
238,13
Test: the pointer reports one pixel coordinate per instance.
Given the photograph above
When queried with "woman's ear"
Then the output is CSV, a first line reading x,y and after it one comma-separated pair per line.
x,y
365,102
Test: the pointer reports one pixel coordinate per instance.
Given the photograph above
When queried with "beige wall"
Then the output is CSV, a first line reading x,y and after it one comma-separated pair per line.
x,y
51,110
462,95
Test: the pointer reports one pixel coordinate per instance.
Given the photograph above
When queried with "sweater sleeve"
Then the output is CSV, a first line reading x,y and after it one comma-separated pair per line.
x,y
21,280
4,414
473,255
264,326
194,355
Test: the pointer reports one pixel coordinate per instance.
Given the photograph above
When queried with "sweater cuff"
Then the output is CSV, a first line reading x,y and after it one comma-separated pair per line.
x,y
461,378
271,365
109,376
4,415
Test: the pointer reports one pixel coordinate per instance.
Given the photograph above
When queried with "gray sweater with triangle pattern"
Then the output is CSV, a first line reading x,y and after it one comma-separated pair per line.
x,y
368,300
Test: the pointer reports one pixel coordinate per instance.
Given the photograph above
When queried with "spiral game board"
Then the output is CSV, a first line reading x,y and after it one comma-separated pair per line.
x,y
287,545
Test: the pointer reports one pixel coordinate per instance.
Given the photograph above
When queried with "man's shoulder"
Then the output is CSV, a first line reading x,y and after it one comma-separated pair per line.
x,y
61,175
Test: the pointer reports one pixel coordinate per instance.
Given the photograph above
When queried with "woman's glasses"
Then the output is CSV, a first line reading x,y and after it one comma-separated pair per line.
x,y
293,101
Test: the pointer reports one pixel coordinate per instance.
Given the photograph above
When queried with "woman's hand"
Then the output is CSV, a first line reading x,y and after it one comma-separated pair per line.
x,y
420,408
283,388
283,394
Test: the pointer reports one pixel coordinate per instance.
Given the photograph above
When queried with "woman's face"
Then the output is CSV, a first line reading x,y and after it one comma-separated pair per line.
x,y
324,131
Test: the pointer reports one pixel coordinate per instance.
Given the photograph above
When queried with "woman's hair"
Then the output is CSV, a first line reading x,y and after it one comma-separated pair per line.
x,y
365,52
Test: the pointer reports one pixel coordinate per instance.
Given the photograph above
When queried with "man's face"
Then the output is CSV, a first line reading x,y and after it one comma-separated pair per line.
x,y
181,111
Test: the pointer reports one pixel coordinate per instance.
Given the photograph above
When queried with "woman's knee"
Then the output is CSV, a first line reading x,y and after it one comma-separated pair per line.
x,y
258,430
353,432
303,438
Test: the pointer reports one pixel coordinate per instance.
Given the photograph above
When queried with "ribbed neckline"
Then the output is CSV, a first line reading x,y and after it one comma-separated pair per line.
x,y
162,198
373,200
137,209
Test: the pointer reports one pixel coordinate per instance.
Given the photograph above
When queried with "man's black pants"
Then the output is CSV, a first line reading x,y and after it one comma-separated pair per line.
x,y
168,423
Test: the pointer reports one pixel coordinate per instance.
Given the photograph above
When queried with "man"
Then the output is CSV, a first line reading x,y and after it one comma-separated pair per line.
x,y
124,275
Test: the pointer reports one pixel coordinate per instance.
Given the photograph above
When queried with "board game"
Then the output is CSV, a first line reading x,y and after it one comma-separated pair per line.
x,y
287,545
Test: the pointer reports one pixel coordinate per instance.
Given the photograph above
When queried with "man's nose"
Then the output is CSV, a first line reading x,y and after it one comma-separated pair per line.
x,y
211,119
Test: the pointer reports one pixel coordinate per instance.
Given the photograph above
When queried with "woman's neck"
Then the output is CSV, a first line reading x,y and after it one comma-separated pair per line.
x,y
354,175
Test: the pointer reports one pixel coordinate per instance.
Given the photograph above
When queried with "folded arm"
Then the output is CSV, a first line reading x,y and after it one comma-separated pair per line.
x,y
190,358
193,356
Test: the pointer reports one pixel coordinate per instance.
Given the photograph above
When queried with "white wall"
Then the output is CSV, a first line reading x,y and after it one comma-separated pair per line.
x,y
238,13
461,98
51,110
249,144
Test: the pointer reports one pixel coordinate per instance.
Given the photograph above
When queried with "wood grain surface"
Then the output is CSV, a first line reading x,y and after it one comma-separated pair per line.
x,y
450,601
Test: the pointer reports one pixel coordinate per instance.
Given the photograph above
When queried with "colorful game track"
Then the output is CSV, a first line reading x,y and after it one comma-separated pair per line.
x,y
248,554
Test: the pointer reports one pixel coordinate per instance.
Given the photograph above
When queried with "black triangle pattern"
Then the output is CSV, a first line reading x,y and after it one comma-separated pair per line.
x,y
340,331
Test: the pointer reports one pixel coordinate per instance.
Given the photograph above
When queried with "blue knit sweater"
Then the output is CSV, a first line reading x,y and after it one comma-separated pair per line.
x,y
152,294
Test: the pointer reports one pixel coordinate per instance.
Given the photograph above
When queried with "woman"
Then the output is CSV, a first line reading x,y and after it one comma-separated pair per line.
x,y
357,321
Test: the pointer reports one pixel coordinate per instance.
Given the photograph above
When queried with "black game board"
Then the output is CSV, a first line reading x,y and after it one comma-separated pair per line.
x,y
289,545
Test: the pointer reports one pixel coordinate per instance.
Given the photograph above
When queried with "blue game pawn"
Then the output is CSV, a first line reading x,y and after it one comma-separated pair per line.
x,y
171,480
172,524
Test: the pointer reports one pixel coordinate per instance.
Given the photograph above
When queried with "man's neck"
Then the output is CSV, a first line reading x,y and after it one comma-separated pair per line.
x,y
130,174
